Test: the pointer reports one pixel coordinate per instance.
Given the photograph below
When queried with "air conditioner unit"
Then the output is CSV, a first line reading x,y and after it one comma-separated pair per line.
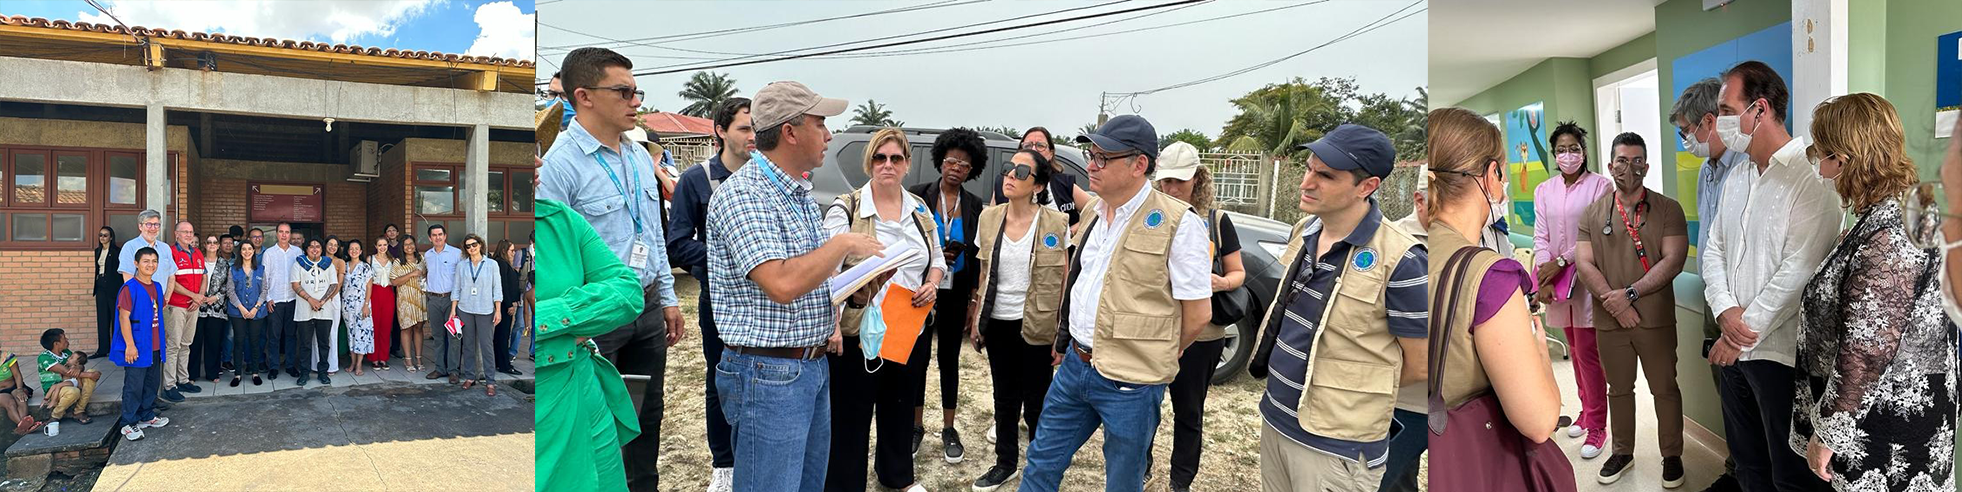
x,y
364,161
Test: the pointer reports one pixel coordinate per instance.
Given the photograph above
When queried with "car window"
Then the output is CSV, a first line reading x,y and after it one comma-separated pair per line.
x,y
851,163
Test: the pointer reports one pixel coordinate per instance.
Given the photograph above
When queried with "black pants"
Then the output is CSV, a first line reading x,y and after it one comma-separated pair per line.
x,y
281,332
248,354
1757,400
1188,392
641,348
311,339
857,397
105,322
1021,373
501,338
722,449
948,316
207,348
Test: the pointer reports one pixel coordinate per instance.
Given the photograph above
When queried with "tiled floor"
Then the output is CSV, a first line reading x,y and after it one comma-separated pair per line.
x,y
1701,463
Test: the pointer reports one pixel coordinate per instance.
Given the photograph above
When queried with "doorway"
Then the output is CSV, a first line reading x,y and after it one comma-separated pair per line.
x,y
1628,100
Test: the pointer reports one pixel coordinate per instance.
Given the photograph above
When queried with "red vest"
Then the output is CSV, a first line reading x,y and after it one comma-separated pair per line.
x,y
190,274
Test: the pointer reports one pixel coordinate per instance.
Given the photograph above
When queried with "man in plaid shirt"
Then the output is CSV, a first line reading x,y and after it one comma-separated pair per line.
x,y
769,261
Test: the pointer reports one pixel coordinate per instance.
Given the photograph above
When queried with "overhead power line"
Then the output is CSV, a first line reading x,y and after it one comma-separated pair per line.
x,y
1365,28
736,30
668,70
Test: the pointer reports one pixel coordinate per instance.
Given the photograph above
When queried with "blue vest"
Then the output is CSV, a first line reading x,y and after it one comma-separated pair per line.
x,y
143,311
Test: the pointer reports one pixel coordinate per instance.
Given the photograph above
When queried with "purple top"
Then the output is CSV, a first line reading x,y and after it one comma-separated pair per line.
x,y
1506,279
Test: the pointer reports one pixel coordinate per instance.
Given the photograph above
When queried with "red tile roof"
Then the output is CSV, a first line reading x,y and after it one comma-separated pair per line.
x,y
665,123
264,42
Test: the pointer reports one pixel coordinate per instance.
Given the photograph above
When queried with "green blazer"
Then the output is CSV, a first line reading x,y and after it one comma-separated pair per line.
x,y
583,411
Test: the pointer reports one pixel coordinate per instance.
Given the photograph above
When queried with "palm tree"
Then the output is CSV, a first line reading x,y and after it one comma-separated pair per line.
x,y
872,113
704,91
1283,123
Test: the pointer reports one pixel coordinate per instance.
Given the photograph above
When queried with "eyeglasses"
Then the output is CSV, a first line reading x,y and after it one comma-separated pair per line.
x,y
1099,161
627,92
1038,146
1683,133
554,94
1923,215
884,158
951,162
1018,171
152,225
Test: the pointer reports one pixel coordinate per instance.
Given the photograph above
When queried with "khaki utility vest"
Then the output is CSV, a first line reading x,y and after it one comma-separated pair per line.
x,y
1049,255
848,321
1137,331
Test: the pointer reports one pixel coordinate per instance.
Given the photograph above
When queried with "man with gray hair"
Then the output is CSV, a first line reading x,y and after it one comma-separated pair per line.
x,y
1695,117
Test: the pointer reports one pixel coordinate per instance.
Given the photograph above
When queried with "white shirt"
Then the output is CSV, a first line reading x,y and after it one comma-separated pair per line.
x,y
890,232
384,271
1012,288
1772,231
1190,264
279,278
315,281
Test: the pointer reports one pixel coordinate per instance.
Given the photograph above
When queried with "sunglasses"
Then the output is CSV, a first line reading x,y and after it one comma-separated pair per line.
x,y
627,92
1018,171
884,158
950,162
104,236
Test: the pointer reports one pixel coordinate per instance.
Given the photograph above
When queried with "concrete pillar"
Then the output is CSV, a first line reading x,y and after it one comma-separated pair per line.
x,y
476,181
1819,49
159,189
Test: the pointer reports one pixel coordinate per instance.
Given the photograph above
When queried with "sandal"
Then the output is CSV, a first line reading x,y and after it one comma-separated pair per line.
x,y
25,426
468,382
83,419
490,389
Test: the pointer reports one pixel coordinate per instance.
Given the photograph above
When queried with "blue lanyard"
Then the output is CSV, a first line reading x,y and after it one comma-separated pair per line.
x,y
631,209
474,270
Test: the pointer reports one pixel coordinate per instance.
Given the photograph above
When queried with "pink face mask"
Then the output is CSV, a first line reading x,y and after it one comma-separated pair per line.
x,y
1569,162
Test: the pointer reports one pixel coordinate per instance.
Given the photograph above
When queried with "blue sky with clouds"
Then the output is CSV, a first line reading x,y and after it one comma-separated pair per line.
x,y
481,27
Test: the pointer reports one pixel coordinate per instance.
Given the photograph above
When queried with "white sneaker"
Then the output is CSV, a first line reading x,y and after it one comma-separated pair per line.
x,y
132,433
723,480
1588,451
1575,431
154,422
991,434
916,488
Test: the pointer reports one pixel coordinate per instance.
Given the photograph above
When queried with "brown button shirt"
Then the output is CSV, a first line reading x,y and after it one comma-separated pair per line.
x,y
1656,217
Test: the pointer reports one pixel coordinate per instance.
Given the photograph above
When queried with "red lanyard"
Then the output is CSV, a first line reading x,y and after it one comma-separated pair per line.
x,y
1640,252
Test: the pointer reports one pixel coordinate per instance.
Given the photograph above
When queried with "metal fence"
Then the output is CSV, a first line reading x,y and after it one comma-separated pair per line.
x,y
1236,177
689,151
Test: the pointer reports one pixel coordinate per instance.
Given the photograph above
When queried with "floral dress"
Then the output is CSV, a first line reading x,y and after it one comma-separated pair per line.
x,y
1876,362
408,296
360,329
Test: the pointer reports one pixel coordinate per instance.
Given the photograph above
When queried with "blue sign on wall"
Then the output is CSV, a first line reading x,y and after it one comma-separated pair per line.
x,y
1773,46
1948,71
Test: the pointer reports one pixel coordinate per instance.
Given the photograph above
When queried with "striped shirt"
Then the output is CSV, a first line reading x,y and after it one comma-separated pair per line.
x,y
1405,299
759,215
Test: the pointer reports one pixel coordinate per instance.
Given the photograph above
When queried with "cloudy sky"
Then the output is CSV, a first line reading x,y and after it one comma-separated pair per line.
x,y
475,27
1055,84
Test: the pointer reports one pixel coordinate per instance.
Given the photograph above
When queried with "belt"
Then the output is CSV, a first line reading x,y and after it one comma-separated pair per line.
x,y
798,353
1081,351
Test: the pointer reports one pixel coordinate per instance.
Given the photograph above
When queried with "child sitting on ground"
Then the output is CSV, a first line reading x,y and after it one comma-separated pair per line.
x,y
67,384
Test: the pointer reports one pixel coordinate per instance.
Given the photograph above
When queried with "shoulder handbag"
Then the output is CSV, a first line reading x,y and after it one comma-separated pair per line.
x,y
1231,306
1472,446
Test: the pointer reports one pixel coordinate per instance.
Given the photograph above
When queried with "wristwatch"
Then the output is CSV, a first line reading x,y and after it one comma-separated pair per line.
x,y
1560,261
1631,293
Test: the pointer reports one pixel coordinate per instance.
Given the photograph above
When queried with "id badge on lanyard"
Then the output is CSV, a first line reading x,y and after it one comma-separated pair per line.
x,y
641,251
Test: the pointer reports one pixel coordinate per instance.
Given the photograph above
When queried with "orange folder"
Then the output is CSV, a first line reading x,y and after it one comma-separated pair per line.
x,y
903,323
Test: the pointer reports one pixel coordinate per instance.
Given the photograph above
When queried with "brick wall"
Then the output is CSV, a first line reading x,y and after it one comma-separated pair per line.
x,y
219,206
347,211
46,289
388,195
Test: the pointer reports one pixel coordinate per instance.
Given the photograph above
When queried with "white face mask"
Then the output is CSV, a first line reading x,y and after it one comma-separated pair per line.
x,y
1730,130
1697,148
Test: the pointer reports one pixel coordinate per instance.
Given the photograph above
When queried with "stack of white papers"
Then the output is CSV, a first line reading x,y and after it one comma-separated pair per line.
x,y
854,278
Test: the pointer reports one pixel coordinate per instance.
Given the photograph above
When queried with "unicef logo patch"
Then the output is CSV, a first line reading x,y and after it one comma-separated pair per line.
x,y
1365,260
1050,241
1154,219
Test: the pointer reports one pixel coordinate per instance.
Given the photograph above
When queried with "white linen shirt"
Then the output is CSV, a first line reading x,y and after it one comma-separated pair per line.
x,y
1772,231
279,276
890,232
1190,263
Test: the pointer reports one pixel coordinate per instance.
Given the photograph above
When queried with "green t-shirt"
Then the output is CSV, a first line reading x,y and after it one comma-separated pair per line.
x,y
47,361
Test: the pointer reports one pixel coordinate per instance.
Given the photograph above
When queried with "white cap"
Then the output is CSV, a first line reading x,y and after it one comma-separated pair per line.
x,y
1178,161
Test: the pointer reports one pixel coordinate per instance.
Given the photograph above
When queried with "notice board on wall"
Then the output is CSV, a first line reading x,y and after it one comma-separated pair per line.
x,y
267,202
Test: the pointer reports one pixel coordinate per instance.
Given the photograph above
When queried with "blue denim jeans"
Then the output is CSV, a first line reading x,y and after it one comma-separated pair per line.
x,y
780,413
1080,400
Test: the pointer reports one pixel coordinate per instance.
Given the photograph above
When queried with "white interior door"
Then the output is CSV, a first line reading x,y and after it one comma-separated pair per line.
x,y
1628,101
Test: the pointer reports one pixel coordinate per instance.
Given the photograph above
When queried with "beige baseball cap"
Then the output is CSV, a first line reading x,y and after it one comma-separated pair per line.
x,y
1178,161
780,102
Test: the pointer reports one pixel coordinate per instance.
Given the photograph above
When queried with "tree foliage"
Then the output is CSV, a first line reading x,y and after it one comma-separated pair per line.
x,y
1278,117
704,91
1186,135
872,113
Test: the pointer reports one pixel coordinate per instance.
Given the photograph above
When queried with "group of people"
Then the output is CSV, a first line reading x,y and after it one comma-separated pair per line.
x,y
1091,303
1834,361
180,314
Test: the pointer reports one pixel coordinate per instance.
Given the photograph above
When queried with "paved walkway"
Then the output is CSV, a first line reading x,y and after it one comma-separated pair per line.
x,y
380,436
110,389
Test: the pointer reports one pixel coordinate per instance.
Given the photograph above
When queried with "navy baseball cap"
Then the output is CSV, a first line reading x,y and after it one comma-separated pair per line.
x,y
1351,146
1127,132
